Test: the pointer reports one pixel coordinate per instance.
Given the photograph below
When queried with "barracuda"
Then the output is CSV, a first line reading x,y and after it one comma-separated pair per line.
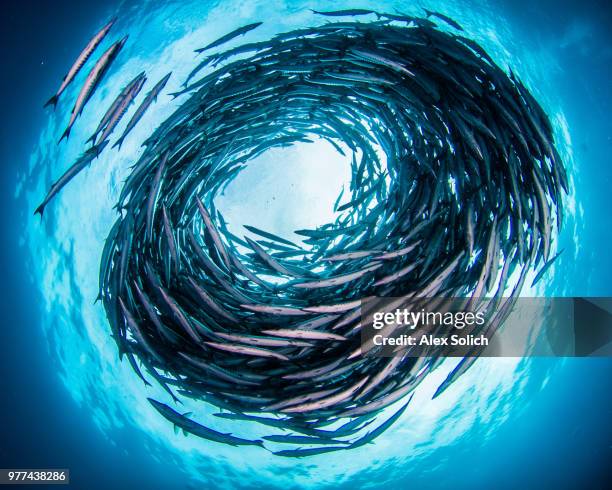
x,y
456,187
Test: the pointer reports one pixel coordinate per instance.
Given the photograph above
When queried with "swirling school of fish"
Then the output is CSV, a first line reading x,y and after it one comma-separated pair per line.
x,y
456,187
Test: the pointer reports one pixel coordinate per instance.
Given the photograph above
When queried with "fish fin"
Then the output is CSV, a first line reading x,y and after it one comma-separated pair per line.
x,y
185,433
176,430
52,101
99,148
66,134
118,143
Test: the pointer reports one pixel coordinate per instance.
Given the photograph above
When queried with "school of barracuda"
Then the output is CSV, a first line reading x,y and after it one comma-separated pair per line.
x,y
456,186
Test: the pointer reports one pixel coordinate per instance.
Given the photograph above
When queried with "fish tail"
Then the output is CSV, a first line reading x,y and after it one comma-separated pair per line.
x,y
92,139
118,143
99,148
39,210
52,101
65,135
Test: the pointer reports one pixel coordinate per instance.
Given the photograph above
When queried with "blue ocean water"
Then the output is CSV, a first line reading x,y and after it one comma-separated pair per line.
x,y
508,423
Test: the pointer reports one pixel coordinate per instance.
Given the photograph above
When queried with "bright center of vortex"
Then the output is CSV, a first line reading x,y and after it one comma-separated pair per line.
x,y
287,189
455,185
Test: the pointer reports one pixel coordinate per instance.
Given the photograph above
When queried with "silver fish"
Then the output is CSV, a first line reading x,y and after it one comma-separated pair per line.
x,y
91,83
79,165
150,98
80,61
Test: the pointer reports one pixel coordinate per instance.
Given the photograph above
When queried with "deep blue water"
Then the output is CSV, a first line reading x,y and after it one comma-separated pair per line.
x,y
556,431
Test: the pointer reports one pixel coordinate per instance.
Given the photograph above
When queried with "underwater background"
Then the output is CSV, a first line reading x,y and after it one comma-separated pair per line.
x,y
67,402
